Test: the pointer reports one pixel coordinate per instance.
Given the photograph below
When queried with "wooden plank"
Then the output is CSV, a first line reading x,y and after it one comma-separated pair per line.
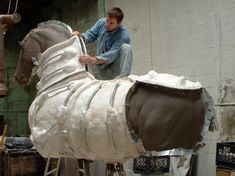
x,y
27,163
224,172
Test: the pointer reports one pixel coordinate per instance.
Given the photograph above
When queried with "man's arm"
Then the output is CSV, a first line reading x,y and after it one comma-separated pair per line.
x,y
87,59
112,54
90,35
106,57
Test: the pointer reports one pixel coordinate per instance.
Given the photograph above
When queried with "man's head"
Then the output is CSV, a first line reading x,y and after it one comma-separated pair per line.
x,y
113,18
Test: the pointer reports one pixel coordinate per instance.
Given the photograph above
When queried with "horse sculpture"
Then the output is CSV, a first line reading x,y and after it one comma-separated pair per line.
x,y
76,115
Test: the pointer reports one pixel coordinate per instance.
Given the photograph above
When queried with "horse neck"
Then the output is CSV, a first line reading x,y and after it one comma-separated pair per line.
x,y
60,63
49,36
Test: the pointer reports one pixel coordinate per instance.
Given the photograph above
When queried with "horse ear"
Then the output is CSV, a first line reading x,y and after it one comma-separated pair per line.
x,y
20,43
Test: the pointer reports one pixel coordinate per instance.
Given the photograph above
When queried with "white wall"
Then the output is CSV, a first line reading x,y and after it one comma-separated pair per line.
x,y
192,38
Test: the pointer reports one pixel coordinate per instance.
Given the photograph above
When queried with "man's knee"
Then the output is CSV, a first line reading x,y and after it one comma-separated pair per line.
x,y
125,51
125,47
125,60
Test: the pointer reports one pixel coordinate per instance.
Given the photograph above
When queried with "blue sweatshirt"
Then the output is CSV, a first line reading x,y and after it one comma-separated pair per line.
x,y
108,43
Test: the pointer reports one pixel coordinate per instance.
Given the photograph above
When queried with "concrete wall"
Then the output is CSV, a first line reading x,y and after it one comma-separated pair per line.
x,y
80,15
192,38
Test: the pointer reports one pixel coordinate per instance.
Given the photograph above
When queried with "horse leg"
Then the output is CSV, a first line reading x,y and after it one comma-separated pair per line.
x,y
114,169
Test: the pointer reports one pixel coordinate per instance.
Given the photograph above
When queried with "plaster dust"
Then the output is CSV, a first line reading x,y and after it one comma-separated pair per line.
x,y
227,113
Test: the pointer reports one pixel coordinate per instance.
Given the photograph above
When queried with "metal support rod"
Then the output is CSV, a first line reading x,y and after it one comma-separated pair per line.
x,y
3,88
225,104
6,21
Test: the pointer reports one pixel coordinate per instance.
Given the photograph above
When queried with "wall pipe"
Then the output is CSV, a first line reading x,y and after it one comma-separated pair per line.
x,y
6,21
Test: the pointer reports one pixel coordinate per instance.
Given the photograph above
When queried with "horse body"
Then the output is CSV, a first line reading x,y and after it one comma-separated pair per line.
x,y
76,115
82,117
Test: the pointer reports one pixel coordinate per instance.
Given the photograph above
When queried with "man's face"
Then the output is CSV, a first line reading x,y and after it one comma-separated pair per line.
x,y
111,23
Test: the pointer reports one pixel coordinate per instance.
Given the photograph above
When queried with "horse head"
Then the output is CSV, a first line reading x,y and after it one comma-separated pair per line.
x,y
30,50
34,44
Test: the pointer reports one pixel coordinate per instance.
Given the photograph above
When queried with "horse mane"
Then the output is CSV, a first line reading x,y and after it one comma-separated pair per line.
x,y
49,23
55,23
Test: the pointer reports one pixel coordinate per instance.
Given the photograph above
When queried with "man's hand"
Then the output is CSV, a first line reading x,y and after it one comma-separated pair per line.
x,y
87,59
76,33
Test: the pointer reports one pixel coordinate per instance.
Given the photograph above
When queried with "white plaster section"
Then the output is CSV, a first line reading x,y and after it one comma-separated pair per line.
x,y
72,109
191,38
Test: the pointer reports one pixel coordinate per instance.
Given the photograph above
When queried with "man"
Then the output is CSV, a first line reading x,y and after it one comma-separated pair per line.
x,y
114,54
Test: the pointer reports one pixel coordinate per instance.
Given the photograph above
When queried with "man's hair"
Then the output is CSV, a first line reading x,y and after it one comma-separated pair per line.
x,y
117,13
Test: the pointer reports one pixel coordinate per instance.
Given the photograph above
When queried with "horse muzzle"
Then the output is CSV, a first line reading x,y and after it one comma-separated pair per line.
x,y
21,79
